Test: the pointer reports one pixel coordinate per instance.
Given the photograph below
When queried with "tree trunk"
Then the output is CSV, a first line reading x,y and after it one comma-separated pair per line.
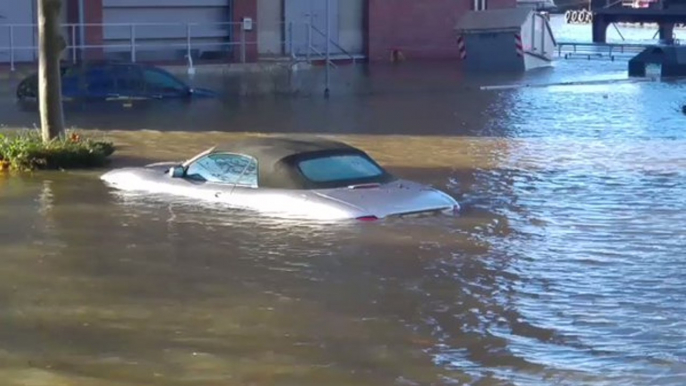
x,y
50,47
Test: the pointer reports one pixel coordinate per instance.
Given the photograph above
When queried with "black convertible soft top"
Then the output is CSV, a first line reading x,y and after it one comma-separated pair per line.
x,y
278,158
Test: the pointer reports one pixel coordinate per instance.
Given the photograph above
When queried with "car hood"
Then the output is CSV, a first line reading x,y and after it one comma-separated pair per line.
x,y
395,198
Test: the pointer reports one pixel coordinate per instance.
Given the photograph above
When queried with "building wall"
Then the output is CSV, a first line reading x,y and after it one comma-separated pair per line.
x,y
25,35
495,4
245,9
167,42
270,27
351,25
181,11
93,34
418,29
492,52
16,13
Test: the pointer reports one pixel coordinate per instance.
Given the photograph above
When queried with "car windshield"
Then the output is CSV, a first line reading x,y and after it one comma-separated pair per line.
x,y
224,168
160,81
339,168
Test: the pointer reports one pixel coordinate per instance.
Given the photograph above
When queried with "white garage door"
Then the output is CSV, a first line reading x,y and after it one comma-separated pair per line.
x,y
23,39
161,29
300,14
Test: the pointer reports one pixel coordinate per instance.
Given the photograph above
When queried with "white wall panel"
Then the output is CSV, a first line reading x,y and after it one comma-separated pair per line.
x,y
208,18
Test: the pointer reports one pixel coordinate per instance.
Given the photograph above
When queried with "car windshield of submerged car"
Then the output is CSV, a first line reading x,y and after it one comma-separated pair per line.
x,y
346,167
158,81
224,168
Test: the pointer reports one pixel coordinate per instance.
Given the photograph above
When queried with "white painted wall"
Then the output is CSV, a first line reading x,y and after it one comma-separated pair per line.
x,y
350,21
167,41
539,40
17,12
270,27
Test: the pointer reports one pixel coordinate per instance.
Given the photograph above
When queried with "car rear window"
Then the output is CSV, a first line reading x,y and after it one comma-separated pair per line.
x,y
339,168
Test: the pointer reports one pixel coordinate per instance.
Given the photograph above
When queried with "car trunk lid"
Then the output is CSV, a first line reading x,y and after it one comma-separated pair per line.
x,y
395,198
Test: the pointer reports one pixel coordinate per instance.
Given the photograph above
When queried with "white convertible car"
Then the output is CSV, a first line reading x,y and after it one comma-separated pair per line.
x,y
299,178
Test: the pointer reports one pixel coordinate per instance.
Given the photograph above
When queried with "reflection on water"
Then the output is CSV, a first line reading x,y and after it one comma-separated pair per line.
x,y
565,268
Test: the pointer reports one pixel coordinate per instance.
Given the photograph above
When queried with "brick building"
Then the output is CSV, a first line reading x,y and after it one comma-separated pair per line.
x,y
222,29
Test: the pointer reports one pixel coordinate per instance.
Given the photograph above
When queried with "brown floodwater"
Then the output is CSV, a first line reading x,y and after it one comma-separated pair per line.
x,y
566,267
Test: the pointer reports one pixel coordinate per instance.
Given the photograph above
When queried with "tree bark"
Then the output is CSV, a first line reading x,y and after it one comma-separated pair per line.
x,y
50,47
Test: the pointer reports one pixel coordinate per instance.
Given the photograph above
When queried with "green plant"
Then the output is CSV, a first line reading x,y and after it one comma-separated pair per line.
x,y
26,151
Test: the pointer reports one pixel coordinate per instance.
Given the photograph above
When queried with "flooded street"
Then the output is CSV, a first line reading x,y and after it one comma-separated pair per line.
x,y
566,267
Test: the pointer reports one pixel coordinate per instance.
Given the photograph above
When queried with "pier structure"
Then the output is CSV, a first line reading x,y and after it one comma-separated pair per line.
x,y
664,13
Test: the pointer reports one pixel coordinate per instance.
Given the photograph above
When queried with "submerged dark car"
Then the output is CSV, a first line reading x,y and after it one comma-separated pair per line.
x,y
108,81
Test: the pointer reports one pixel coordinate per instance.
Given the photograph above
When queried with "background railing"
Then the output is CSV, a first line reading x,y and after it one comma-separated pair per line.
x,y
611,51
191,43
134,42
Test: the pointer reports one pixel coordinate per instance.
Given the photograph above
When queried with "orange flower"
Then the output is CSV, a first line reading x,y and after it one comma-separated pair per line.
x,y
74,137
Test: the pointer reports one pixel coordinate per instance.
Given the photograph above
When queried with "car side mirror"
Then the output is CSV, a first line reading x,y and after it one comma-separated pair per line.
x,y
177,171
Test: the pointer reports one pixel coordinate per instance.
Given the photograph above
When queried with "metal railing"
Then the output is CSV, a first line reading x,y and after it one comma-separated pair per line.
x,y
173,41
121,38
546,31
311,51
612,51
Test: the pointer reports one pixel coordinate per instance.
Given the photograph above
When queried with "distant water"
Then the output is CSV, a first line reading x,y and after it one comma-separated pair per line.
x,y
618,34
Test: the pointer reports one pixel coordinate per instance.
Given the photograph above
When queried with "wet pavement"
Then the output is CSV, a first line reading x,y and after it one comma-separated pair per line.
x,y
566,267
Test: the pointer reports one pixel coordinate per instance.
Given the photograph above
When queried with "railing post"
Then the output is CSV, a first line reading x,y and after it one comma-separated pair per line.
x,y
242,43
12,48
189,50
133,43
188,40
328,49
73,43
290,38
533,32
543,31
309,40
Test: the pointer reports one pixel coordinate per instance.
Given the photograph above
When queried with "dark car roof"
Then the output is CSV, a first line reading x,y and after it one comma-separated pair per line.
x,y
31,80
274,149
277,159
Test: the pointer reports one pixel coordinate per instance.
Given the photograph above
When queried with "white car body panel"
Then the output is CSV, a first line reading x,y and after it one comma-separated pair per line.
x,y
398,197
